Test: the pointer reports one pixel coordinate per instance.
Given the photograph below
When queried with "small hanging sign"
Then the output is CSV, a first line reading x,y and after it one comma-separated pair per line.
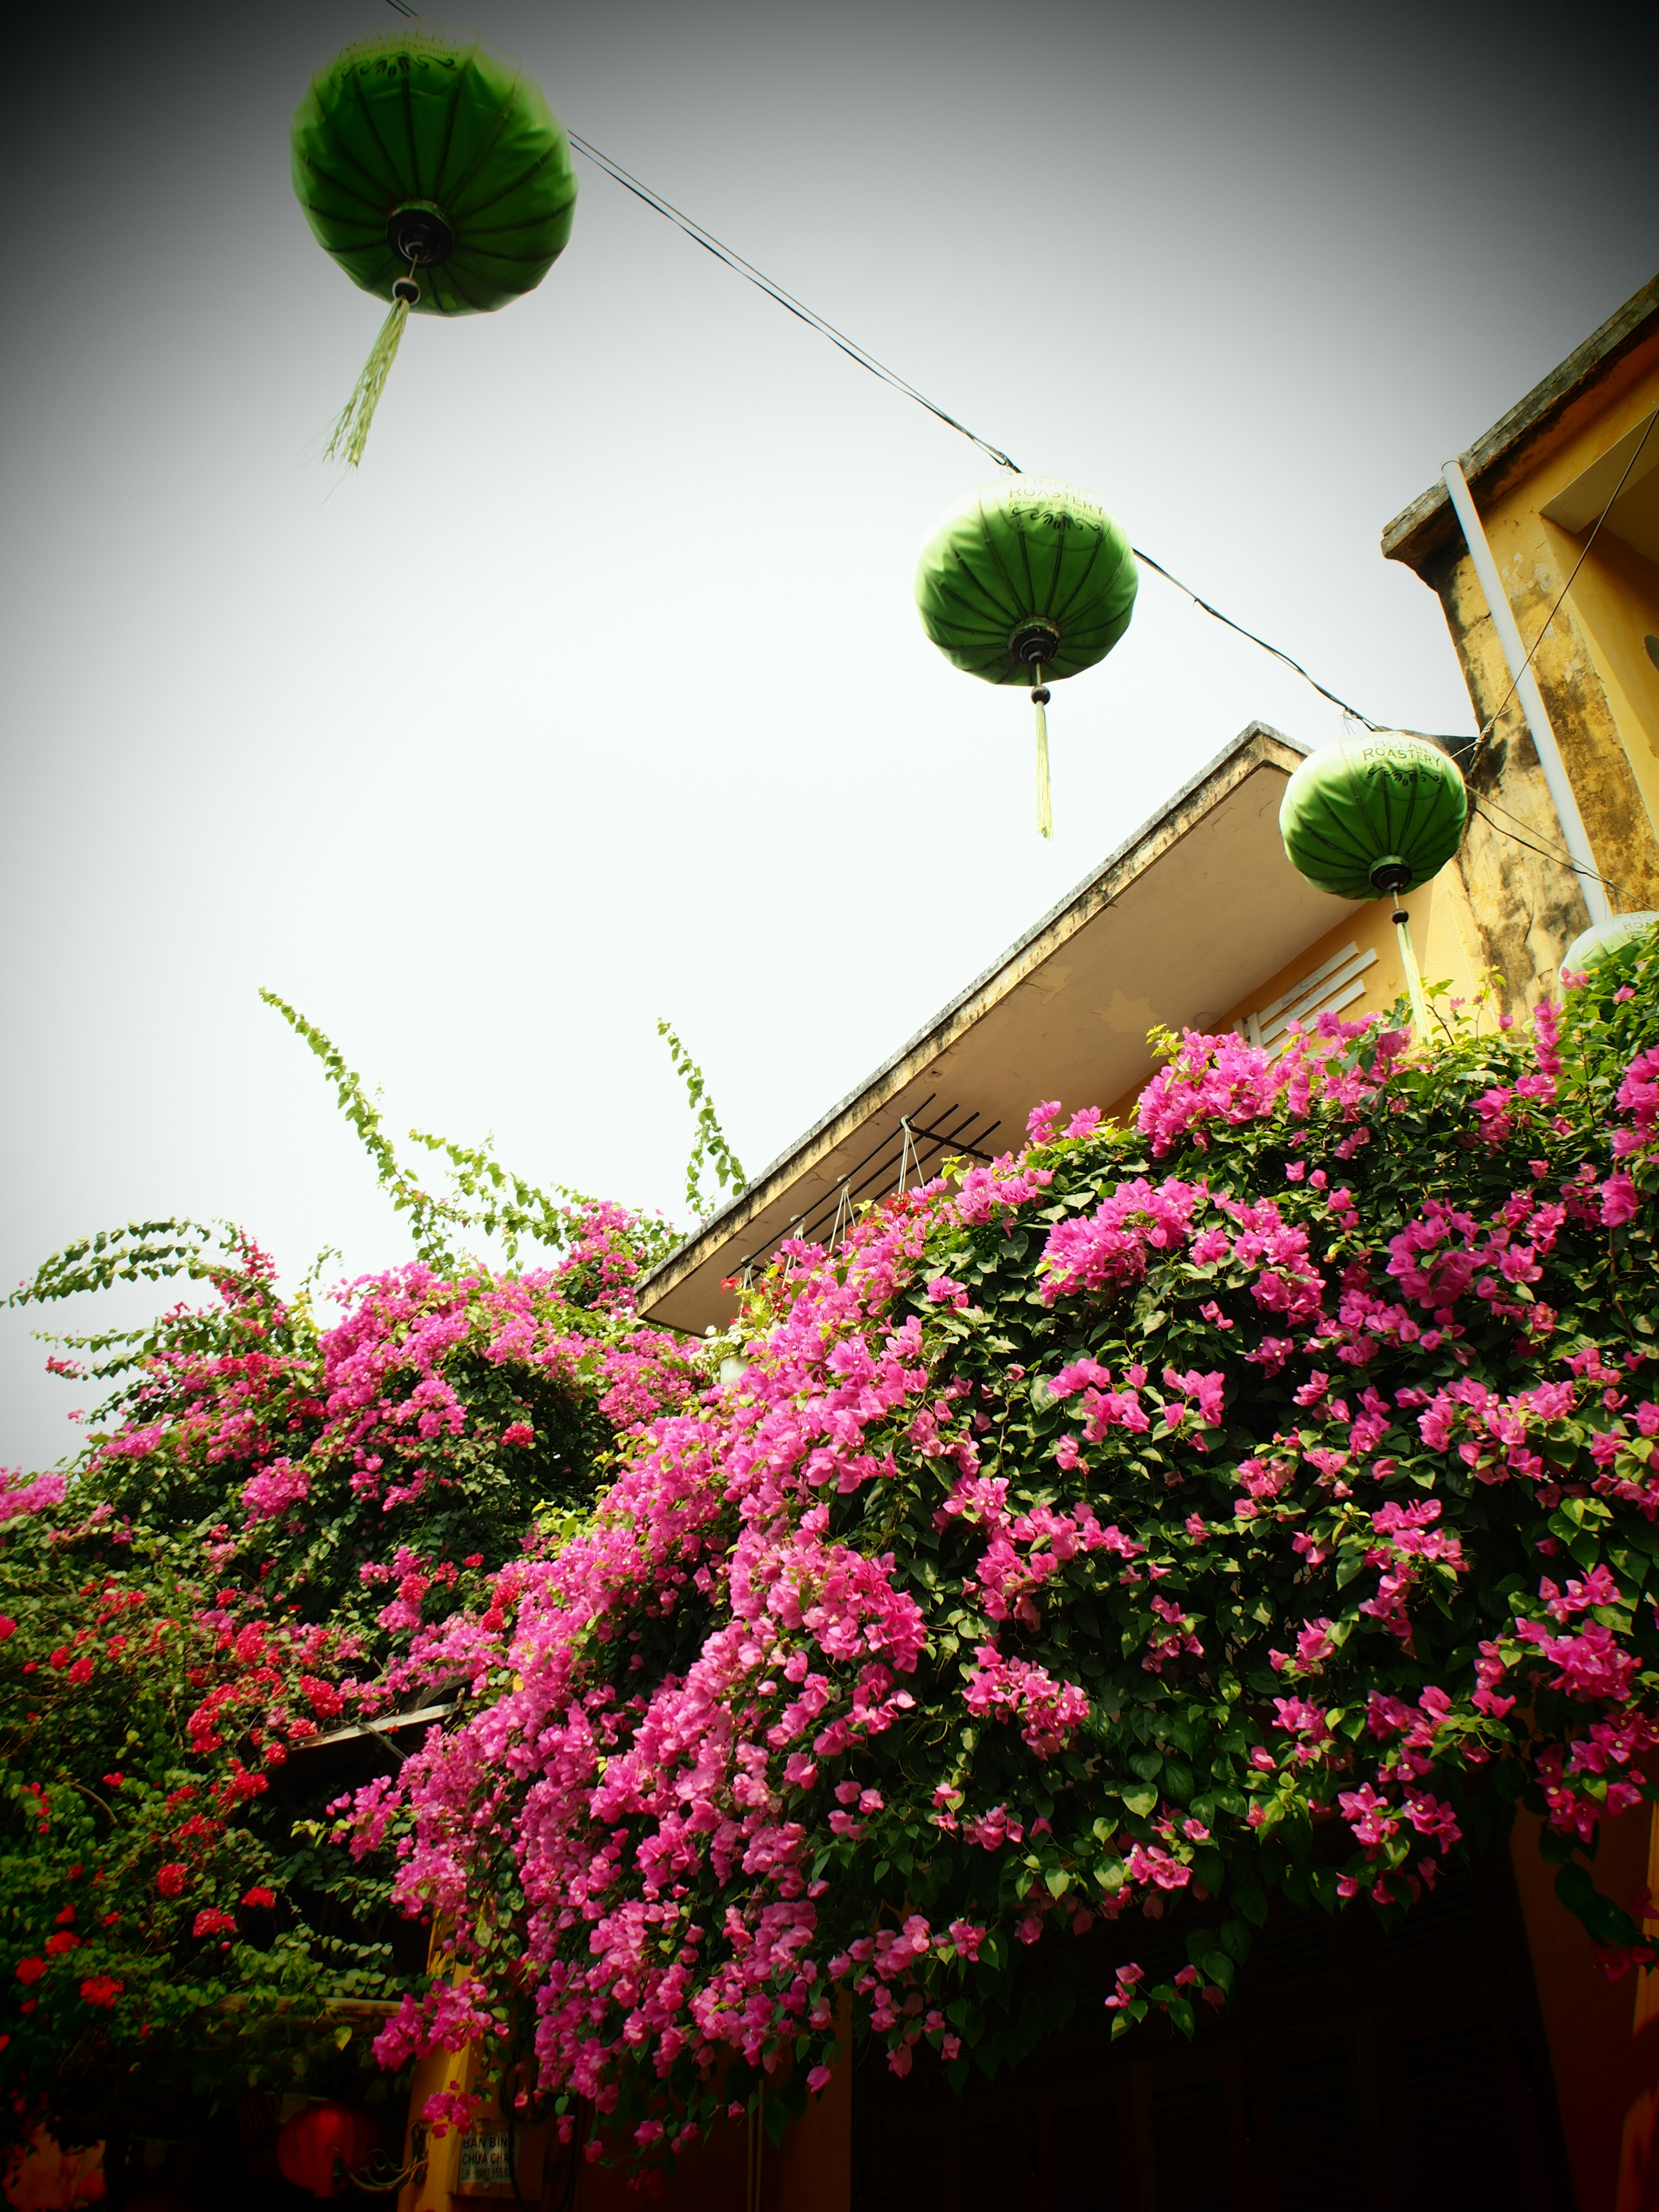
x,y
484,2161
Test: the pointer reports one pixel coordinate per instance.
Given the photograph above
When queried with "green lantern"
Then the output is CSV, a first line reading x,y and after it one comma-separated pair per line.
x,y
1027,582
431,170
1370,817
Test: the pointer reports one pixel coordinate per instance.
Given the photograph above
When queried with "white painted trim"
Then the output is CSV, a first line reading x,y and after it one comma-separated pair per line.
x,y
1573,834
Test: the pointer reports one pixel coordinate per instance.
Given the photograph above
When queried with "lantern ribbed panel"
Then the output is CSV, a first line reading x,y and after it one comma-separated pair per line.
x,y
425,118
1023,552
1362,801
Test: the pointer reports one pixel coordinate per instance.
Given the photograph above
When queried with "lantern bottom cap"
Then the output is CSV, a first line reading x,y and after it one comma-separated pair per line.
x,y
1035,641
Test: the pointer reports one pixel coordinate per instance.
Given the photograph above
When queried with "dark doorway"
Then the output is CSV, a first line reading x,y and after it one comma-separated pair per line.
x,y
1378,2073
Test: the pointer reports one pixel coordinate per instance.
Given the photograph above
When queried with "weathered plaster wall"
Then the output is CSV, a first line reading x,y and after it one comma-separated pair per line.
x,y
1602,698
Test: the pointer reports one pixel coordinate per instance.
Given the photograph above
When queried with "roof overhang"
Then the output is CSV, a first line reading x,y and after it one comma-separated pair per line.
x,y
1175,928
1424,534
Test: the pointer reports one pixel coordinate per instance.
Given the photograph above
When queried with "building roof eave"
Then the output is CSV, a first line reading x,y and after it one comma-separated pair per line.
x,y
1424,533
676,1291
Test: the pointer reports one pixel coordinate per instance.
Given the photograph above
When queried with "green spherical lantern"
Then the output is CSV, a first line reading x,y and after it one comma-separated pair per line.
x,y
1027,582
431,170
1592,946
1369,817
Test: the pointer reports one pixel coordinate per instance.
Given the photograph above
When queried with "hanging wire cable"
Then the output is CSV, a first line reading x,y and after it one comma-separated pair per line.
x,y
865,360
1547,852
855,352
1147,561
774,290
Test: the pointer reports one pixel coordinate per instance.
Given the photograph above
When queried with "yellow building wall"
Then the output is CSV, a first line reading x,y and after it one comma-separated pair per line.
x,y
1614,600
1445,934
1600,690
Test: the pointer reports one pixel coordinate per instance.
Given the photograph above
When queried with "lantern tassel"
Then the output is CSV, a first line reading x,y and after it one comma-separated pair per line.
x,y
1045,813
351,433
1402,929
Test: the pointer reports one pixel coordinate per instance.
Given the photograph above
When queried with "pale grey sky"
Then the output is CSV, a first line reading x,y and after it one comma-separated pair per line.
x,y
599,692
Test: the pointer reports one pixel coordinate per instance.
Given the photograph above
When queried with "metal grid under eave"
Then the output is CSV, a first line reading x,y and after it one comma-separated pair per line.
x,y
893,1163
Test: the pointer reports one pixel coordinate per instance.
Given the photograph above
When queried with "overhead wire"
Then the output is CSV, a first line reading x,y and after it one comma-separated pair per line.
x,y
860,355
1146,561
814,321
855,352
865,360
1545,851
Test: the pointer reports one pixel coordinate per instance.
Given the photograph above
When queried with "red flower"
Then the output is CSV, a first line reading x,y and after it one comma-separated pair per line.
x,y
60,1657
66,1917
30,1969
519,1433
325,1699
101,1990
62,1941
113,1780
473,1560
172,1878
80,1672
258,1897
8,1626
212,1922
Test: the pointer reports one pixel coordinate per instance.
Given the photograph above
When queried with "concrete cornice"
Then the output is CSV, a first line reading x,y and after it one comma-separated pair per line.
x,y
1424,533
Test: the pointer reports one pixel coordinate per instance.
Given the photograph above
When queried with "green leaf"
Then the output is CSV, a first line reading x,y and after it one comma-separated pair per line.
x,y
1607,1922
1235,1938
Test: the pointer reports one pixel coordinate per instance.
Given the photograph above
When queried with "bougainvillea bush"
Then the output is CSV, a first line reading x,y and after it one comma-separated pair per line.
x,y
266,1512
1257,1499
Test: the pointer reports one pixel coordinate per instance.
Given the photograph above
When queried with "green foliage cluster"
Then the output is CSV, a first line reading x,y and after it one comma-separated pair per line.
x,y
269,1512
1254,1501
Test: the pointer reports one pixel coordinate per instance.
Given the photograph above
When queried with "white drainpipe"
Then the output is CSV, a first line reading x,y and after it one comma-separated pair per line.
x,y
1526,690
